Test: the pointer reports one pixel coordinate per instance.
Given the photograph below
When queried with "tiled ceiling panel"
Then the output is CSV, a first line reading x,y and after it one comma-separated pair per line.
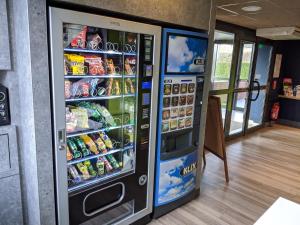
x,y
274,13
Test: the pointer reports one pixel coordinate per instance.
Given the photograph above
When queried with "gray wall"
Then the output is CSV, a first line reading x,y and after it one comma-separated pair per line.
x,y
28,83
29,87
191,13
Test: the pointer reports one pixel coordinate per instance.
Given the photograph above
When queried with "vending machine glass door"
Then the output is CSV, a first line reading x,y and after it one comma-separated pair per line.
x,y
104,71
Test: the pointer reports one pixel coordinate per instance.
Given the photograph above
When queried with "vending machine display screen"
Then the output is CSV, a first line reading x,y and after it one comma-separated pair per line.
x,y
185,54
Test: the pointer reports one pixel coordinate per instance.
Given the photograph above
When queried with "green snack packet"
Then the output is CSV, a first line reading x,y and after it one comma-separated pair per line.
x,y
91,170
93,113
113,161
81,145
109,120
73,148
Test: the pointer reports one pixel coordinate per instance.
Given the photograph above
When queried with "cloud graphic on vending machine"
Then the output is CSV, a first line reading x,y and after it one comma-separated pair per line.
x,y
171,194
179,53
175,190
167,181
167,178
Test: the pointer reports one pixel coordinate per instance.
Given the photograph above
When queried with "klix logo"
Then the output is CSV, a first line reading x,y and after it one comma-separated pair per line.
x,y
188,169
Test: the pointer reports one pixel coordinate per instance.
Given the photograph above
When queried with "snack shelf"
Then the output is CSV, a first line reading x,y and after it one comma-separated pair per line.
x,y
129,76
102,178
129,54
71,162
97,76
98,98
98,130
98,51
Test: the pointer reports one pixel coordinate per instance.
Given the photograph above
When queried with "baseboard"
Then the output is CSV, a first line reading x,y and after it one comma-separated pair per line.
x,y
289,123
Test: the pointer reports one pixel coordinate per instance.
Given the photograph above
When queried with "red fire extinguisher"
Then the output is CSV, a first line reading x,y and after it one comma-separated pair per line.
x,y
275,111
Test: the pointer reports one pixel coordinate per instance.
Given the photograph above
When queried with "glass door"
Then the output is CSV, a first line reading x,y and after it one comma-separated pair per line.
x,y
259,86
222,69
240,74
241,91
100,100
104,92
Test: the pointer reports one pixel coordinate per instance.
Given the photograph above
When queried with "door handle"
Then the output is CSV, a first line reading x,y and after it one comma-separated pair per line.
x,y
258,90
61,135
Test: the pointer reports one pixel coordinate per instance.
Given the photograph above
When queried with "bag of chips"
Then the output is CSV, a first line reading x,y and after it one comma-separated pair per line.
x,y
71,121
128,69
109,120
95,64
76,64
81,116
80,39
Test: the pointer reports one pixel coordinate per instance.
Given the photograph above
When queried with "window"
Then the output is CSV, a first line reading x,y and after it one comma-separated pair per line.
x,y
245,65
222,60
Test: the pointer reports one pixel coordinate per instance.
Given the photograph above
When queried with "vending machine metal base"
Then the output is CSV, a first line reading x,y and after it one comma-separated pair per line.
x,y
164,209
180,102
105,75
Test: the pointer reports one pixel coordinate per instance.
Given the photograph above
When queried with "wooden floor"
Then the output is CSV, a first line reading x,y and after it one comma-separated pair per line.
x,y
262,166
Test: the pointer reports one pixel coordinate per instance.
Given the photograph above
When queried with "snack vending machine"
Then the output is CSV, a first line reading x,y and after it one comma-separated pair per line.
x,y
104,91
180,101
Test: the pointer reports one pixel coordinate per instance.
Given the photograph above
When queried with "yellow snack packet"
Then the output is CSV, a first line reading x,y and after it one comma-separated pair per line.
x,y
90,143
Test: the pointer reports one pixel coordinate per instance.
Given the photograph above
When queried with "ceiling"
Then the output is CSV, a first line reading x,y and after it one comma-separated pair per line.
x,y
274,13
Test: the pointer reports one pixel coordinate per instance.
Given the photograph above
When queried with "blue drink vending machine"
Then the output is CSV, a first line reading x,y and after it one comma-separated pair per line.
x,y
180,101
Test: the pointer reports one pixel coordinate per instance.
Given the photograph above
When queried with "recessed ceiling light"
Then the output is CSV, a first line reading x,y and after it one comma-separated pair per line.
x,y
251,8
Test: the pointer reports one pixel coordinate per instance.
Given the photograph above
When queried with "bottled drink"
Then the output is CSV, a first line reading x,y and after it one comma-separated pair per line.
x,y
101,167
